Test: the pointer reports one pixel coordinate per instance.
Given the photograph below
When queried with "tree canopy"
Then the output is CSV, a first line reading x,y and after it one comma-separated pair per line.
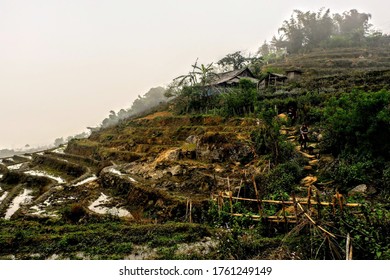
x,y
308,30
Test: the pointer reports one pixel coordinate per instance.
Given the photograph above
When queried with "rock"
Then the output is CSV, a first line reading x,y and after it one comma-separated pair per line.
x,y
176,170
215,147
361,189
283,117
192,139
174,155
309,180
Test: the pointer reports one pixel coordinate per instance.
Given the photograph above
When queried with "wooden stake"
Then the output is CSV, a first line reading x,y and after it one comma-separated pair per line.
x,y
308,198
239,190
318,204
295,205
259,203
231,201
313,222
284,213
220,202
190,211
188,201
348,248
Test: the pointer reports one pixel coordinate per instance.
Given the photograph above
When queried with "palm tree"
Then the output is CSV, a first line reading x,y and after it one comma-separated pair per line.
x,y
190,78
205,73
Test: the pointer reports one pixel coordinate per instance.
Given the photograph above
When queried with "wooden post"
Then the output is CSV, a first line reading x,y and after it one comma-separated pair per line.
x,y
284,213
259,204
340,200
186,219
190,211
215,181
231,201
295,206
348,248
239,190
309,198
220,202
318,204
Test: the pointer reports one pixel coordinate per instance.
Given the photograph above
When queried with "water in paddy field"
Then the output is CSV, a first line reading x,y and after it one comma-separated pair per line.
x,y
98,208
19,200
45,174
89,179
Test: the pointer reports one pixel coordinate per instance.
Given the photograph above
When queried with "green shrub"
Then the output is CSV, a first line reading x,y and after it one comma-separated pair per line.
x,y
350,172
283,178
74,212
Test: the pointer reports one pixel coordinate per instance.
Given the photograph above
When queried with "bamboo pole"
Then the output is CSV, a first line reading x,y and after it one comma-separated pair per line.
x,y
284,213
231,201
314,223
187,209
259,217
239,190
259,203
291,202
295,205
348,248
190,211
220,202
318,204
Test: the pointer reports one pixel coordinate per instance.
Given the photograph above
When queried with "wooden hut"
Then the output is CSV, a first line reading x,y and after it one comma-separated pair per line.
x,y
293,75
272,79
232,78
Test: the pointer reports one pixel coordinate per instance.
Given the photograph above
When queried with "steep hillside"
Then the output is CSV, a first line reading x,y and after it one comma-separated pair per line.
x,y
204,186
339,69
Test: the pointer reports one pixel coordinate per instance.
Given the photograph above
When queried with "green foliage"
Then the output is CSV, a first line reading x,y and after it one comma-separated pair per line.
x,y
234,61
358,122
239,102
195,99
369,234
74,212
308,30
268,141
350,172
282,179
357,132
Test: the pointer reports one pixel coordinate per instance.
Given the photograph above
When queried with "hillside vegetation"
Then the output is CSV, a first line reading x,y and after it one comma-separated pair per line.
x,y
219,173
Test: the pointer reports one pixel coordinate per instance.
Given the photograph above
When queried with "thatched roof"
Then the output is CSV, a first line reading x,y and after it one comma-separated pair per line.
x,y
233,77
274,75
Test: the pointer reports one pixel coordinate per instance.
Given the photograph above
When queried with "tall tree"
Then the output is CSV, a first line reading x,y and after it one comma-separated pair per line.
x,y
293,35
352,22
306,30
234,61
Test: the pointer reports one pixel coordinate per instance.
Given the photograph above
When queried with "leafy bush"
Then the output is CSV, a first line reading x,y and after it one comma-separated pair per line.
x,y
74,212
350,172
282,178
358,122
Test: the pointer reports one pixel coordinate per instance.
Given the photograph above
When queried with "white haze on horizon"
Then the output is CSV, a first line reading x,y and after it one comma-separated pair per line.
x,y
65,64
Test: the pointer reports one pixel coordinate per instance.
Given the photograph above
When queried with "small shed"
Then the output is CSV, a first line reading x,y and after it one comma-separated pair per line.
x,y
232,78
272,79
293,75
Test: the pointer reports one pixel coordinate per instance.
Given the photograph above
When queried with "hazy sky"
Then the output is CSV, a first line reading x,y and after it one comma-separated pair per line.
x,y
64,64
